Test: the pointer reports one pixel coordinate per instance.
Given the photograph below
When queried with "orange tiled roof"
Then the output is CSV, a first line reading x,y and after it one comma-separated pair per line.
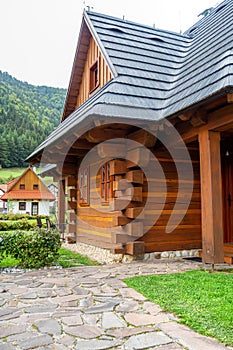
x,y
11,183
28,194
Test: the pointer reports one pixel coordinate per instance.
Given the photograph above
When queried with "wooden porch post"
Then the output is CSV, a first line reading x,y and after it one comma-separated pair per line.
x,y
61,204
211,197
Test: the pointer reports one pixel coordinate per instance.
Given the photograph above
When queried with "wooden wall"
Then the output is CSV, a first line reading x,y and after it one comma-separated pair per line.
x,y
188,233
103,231
105,74
99,233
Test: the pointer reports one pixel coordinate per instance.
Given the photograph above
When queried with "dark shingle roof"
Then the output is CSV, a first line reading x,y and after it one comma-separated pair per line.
x,y
157,73
166,71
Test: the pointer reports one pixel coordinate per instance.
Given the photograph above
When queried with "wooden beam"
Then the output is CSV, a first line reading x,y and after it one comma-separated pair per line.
x,y
138,156
136,249
61,204
67,169
101,134
135,176
72,181
230,98
211,197
132,213
144,137
117,167
108,149
83,144
218,119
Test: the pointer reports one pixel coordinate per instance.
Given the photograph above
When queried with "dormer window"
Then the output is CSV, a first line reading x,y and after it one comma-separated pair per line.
x,y
94,76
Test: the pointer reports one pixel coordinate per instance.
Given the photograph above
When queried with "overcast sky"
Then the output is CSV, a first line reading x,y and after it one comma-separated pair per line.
x,y
38,37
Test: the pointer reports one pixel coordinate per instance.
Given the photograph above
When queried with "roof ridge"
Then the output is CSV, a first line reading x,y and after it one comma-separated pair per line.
x,y
131,22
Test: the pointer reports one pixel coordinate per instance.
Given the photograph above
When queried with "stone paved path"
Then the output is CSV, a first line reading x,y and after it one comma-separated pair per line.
x,y
90,308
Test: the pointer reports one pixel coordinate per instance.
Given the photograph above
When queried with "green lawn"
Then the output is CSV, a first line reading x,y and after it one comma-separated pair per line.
x,y
72,259
203,301
5,173
66,259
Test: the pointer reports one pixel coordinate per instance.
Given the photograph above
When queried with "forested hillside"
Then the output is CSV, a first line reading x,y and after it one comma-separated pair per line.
x,y
28,114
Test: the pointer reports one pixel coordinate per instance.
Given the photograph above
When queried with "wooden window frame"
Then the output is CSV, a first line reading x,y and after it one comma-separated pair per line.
x,y
94,76
84,187
35,187
106,183
24,205
22,186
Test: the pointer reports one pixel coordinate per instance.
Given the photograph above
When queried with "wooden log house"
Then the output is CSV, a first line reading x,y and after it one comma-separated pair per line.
x,y
137,86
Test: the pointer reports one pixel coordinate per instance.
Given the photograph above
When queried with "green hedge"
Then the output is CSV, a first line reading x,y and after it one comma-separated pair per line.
x,y
23,224
13,217
33,249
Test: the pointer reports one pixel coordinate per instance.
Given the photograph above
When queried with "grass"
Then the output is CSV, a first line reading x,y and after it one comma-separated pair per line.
x,y
72,259
201,300
66,259
5,173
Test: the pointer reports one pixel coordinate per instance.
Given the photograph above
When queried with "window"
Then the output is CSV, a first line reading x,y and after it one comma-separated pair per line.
x,y
84,187
94,76
35,187
22,205
22,186
106,183
35,208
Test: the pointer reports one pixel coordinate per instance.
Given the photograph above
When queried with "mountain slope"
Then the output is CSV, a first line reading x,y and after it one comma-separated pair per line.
x,y
28,114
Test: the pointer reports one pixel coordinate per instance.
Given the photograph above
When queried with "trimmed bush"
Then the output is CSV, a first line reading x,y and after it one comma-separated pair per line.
x,y
33,249
13,217
22,224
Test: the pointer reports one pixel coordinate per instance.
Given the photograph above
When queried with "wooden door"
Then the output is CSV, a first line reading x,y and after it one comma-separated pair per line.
x,y
35,208
227,176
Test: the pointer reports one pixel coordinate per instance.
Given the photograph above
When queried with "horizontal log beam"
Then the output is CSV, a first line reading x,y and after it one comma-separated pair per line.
x,y
144,137
117,167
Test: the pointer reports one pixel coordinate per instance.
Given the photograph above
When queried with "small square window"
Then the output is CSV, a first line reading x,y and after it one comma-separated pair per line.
x,y
94,76
22,186
35,187
22,205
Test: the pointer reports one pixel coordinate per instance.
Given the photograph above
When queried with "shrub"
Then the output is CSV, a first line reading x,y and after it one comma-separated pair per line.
x,y
33,249
22,224
12,217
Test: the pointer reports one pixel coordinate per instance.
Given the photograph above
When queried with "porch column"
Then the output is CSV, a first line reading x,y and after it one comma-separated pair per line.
x,y
61,204
211,197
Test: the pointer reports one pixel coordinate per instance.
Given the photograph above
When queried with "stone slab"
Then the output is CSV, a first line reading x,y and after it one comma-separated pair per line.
x,y
96,345
40,340
188,338
50,326
111,320
143,341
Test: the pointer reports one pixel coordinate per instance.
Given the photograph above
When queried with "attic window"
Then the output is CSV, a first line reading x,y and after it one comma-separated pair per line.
x,y
220,8
94,76
22,186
